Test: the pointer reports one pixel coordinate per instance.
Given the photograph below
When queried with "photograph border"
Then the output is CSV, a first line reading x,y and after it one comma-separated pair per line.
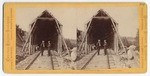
x,y
9,42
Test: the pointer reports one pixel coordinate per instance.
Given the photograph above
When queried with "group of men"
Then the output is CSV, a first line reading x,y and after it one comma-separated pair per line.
x,y
43,46
99,46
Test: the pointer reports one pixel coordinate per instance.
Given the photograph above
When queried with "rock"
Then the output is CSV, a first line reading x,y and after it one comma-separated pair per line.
x,y
74,54
130,51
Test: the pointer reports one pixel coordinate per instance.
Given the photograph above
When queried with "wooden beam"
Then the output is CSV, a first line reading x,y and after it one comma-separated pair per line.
x,y
116,43
110,17
59,47
29,35
46,18
62,37
118,35
29,46
84,36
86,45
102,17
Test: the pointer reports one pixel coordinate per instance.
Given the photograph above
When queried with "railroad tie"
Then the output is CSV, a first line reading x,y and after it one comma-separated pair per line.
x,y
111,62
55,63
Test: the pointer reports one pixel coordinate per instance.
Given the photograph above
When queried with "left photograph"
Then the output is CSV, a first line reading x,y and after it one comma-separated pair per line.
x,y
42,41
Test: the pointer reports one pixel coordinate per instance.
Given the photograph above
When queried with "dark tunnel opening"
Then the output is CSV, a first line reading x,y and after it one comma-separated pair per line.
x,y
45,30
101,29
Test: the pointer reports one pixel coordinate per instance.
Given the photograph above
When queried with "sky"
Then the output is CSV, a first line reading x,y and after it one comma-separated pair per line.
x,y
72,18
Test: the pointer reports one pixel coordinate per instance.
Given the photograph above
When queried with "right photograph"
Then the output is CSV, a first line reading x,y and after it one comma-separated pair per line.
x,y
108,38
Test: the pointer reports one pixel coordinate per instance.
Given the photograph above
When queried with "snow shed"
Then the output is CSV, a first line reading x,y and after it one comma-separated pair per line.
x,y
45,28
101,27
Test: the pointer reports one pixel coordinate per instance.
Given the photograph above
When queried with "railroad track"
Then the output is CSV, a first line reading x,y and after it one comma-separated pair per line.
x,y
106,62
36,61
111,62
51,62
54,62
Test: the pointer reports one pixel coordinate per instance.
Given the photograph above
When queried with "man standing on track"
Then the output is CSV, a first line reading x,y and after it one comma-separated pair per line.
x,y
49,48
105,47
98,46
42,47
